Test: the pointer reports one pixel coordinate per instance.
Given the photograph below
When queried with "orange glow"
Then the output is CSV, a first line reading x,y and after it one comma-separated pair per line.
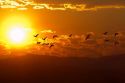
x,y
17,35
17,31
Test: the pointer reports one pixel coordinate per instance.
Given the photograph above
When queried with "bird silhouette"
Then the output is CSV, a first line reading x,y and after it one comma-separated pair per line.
x,y
51,45
44,38
45,44
36,35
70,35
88,36
106,40
105,33
116,34
55,36
38,42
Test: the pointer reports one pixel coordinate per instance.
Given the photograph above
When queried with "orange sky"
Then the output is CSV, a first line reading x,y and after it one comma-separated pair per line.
x,y
69,17
74,17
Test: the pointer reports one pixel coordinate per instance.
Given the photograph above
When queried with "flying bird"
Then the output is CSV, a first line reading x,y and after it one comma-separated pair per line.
x,y
45,44
105,33
106,40
44,38
38,42
51,46
88,36
55,36
70,35
116,34
36,35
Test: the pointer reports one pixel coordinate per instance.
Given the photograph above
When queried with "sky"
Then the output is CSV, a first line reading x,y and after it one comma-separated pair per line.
x,y
70,16
64,17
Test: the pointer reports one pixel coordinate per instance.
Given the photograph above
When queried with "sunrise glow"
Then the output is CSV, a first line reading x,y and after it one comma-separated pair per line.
x,y
17,30
17,35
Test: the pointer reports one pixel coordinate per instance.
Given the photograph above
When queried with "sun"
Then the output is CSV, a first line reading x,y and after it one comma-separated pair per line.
x,y
17,35
17,30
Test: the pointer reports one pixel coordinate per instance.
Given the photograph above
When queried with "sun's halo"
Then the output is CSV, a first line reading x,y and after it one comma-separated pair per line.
x,y
17,30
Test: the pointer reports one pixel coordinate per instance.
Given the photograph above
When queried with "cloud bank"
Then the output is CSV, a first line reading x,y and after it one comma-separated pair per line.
x,y
70,46
79,5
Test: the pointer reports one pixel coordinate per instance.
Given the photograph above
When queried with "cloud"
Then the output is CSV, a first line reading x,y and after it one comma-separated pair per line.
x,y
65,46
81,1
85,5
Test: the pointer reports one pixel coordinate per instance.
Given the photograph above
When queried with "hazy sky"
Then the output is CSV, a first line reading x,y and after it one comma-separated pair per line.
x,y
70,16
77,16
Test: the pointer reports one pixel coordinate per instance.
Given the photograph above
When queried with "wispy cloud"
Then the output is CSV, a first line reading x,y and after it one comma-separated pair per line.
x,y
24,5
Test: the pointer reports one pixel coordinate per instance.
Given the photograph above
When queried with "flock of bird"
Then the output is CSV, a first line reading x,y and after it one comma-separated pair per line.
x,y
87,37
50,44
116,42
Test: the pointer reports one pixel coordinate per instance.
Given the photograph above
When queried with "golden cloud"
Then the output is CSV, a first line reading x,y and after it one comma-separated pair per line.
x,y
66,46
25,5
